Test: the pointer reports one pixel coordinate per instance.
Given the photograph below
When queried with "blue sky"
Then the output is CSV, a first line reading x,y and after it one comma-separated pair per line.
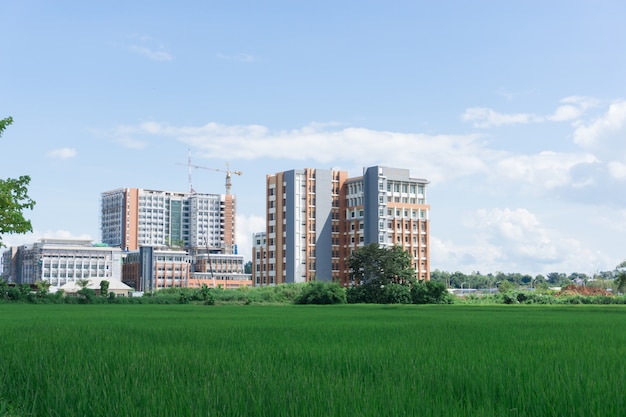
x,y
515,111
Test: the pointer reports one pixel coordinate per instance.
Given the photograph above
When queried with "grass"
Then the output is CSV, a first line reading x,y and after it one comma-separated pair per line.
x,y
190,360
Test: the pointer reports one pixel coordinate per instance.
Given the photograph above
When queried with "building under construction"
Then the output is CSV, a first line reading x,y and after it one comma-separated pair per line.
x,y
135,217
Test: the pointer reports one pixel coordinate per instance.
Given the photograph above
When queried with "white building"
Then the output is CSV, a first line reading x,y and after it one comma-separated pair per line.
x,y
134,217
59,261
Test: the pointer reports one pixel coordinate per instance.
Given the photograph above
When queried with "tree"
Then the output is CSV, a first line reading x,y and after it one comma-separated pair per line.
x,y
247,267
42,288
14,200
620,278
104,288
87,293
373,264
380,275
319,292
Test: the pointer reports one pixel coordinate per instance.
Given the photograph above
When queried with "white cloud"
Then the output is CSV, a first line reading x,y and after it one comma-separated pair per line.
x,y
513,240
545,170
612,123
131,143
565,112
62,153
483,117
237,57
436,157
617,170
571,108
155,55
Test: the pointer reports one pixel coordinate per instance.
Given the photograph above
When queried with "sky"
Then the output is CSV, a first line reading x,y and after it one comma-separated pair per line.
x,y
514,111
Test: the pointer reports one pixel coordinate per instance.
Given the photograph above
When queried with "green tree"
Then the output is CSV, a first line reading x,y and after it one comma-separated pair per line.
x,y
87,293
247,267
430,292
42,288
620,277
104,288
319,292
373,264
14,200
505,286
380,275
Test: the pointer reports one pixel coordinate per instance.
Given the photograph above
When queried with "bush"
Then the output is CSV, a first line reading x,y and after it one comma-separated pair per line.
x,y
430,292
394,294
321,293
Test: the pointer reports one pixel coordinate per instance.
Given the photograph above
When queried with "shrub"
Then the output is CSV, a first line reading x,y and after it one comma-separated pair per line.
x,y
394,294
430,292
321,293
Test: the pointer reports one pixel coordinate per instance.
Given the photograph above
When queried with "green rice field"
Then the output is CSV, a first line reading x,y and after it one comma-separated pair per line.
x,y
348,360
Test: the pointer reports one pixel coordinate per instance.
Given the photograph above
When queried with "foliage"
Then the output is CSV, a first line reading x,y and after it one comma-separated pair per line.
x,y
14,200
376,265
319,292
380,275
620,278
87,295
104,288
42,288
430,292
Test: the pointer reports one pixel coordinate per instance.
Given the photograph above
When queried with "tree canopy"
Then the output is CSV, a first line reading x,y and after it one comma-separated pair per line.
x,y
620,278
14,199
376,265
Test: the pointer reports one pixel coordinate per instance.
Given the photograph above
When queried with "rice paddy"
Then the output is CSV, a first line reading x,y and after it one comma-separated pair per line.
x,y
348,360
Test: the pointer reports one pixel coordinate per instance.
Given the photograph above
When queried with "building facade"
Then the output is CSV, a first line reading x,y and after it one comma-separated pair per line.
x,y
61,261
219,271
259,260
303,218
316,218
134,217
388,207
151,269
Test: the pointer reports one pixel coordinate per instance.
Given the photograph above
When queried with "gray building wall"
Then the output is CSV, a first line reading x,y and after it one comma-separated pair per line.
x,y
291,266
370,203
323,224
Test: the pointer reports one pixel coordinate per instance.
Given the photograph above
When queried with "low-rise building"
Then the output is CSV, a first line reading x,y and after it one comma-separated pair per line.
x,y
151,269
60,261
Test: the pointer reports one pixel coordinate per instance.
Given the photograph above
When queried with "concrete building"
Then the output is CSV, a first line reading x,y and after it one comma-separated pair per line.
x,y
9,264
117,287
303,218
316,218
388,207
60,261
134,217
219,271
151,269
259,260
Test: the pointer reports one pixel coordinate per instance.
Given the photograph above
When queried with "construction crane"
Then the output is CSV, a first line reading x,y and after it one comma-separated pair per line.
x,y
227,171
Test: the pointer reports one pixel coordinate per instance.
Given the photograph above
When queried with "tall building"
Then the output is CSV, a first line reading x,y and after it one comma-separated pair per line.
x,y
134,217
388,207
316,218
302,232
